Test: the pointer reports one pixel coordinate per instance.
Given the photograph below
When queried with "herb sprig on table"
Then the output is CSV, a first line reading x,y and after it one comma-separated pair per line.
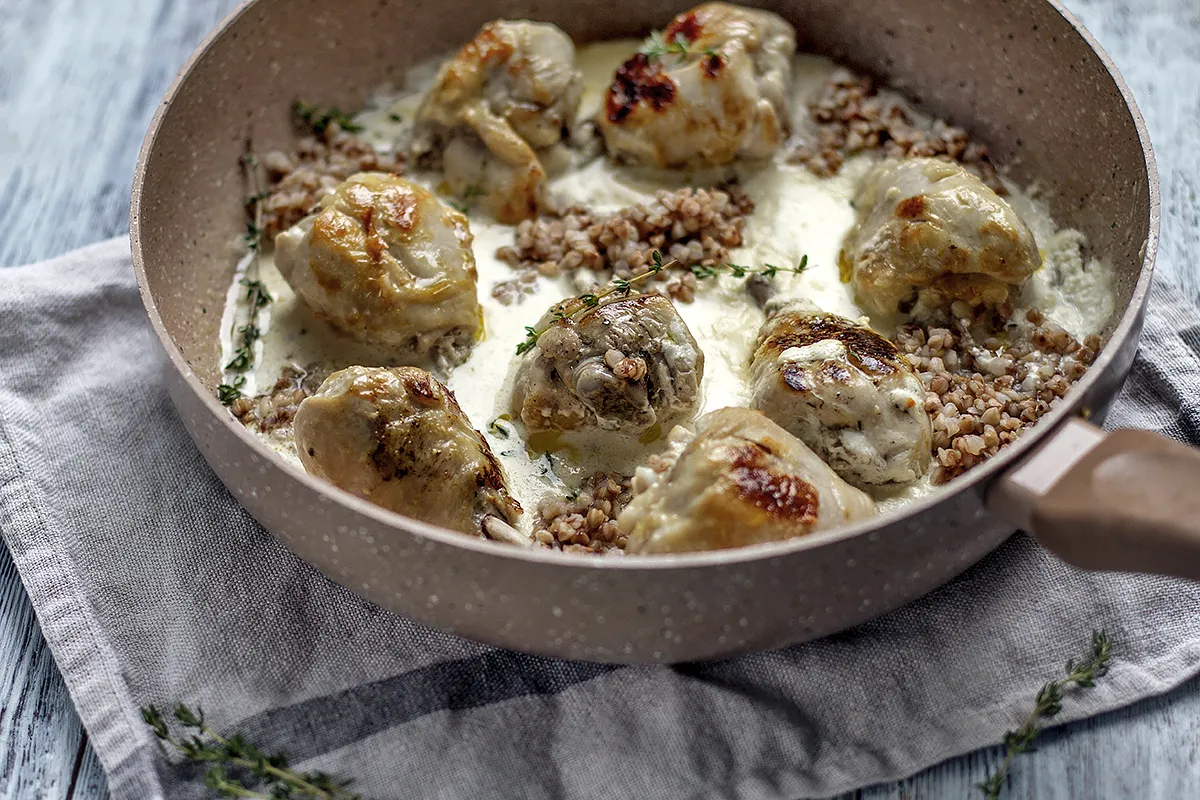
x,y
240,769
623,287
1079,675
256,292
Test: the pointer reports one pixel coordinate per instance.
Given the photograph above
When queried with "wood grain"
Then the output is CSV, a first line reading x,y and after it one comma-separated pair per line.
x,y
79,80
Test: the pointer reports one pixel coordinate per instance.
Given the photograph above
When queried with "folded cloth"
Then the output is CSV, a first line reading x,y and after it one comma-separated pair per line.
x,y
152,585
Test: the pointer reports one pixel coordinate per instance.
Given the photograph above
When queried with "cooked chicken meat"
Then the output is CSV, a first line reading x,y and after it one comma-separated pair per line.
x,y
498,109
397,438
387,263
713,89
625,365
739,479
929,231
843,390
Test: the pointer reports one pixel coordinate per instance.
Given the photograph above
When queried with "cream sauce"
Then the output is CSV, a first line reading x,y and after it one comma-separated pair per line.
x,y
796,214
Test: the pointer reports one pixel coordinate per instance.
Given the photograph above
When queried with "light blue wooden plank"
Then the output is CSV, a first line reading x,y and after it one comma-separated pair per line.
x,y
40,734
89,780
79,81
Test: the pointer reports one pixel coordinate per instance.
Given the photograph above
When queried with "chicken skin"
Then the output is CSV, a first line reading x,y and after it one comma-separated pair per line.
x,y
929,231
387,263
712,89
843,390
625,365
738,479
496,112
397,438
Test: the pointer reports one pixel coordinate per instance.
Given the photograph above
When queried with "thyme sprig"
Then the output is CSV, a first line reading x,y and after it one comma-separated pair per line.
x,y
1080,675
319,118
623,287
256,291
657,46
239,768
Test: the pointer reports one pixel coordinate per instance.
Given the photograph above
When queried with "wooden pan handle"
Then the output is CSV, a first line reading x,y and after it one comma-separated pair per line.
x,y
1126,501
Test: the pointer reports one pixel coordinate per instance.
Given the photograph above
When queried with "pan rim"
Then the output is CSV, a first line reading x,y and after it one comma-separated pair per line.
x,y
975,480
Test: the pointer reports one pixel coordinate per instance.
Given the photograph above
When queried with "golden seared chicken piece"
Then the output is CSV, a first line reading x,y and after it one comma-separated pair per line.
x,y
843,390
929,231
713,88
388,263
505,102
739,479
397,438
625,365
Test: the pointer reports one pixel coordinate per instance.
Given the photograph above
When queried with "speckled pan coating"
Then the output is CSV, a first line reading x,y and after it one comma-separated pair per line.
x,y
1017,73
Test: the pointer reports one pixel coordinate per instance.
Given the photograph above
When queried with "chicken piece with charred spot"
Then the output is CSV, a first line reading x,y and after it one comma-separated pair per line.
x,y
498,110
389,264
929,231
738,479
626,365
397,438
714,88
843,390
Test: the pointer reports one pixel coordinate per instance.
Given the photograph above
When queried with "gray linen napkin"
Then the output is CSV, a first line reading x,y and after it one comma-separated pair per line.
x,y
152,585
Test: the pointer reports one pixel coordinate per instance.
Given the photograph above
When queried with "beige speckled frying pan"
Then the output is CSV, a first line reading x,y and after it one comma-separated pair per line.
x,y
1020,74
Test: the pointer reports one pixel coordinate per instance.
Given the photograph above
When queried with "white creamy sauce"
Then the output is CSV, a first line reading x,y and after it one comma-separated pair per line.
x,y
796,214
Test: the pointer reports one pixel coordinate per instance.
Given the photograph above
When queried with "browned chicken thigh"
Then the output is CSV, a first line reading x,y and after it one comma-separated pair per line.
x,y
397,438
738,479
626,365
496,112
712,89
930,231
389,264
843,390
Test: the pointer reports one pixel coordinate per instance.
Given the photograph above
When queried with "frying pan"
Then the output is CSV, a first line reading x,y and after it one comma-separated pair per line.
x,y
1022,75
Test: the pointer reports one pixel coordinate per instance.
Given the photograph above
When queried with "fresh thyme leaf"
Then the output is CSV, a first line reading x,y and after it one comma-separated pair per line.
x,y
242,358
1048,703
498,429
394,117
227,393
657,46
239,768
253,235
319,118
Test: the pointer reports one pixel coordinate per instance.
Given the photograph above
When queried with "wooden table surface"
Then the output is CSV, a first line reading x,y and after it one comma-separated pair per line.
x,y
79,80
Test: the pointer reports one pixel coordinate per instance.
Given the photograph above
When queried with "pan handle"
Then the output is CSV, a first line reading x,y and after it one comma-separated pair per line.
x,y
1126,501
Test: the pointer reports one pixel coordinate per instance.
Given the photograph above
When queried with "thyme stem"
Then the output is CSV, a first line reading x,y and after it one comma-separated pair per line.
x,y
624,287
208,746
256,292
1081,675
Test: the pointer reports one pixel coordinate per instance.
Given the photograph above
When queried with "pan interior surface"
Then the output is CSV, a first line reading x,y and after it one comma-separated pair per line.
x,y
1016,74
